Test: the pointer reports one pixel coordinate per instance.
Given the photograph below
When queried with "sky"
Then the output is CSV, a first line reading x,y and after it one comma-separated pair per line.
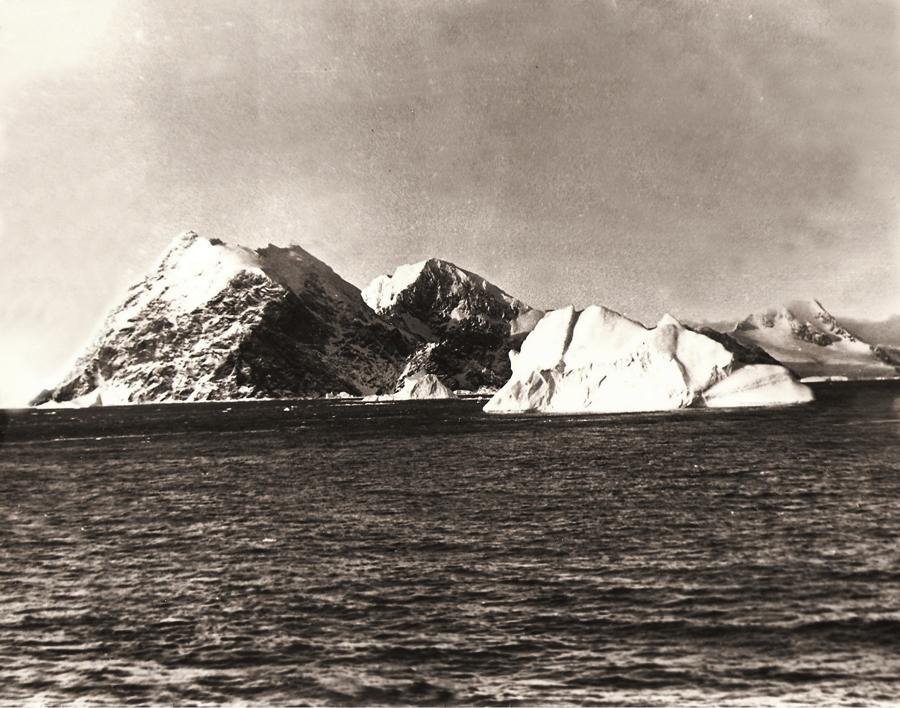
x,y
702,158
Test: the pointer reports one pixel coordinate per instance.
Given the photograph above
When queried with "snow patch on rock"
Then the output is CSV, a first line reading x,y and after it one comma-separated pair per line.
x,y
382,293
190,273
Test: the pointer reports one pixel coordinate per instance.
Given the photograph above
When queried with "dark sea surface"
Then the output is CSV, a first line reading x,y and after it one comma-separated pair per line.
x,y
425,553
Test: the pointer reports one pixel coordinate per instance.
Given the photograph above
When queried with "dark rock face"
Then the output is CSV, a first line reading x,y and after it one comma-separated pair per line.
x,y
744,353
466,360
464,325
447,298
808,334
282,324
304,346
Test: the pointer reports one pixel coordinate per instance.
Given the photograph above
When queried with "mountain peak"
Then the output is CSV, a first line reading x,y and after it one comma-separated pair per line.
x,y
465,325
184,238
809,310
810,340
669,320
805,319
442,295
385,290
298,270
215,320
382,293
191,271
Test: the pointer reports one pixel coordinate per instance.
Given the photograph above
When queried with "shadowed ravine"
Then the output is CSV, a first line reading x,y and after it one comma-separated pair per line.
x,y
427,553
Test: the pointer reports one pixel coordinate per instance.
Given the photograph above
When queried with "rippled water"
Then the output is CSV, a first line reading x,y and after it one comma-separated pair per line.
x,y
425,553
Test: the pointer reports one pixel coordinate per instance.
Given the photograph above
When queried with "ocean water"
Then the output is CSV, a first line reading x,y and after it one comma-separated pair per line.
x,y
424,553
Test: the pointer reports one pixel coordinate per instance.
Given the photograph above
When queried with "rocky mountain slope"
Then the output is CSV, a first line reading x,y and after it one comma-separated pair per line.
x,y
598,361
809,340
215,321
464,325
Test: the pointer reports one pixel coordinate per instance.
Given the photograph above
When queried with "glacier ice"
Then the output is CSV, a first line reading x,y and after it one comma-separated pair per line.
x,y
599,361
757,385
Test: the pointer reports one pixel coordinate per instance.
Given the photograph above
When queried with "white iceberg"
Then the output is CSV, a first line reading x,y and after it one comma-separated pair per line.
x,y
831,379
426,386
757,385
415,388
598,361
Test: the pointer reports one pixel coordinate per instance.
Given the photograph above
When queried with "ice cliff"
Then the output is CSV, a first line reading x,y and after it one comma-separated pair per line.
x,y
599,361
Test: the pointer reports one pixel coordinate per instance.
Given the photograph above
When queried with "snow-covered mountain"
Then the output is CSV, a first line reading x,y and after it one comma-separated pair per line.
x,y
465,325
216,321
808,339
598,361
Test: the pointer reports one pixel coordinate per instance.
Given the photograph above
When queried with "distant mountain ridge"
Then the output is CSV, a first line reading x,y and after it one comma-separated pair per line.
x,y
808,339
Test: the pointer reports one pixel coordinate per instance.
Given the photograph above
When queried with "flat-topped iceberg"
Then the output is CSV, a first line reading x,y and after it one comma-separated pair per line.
x,y
598,361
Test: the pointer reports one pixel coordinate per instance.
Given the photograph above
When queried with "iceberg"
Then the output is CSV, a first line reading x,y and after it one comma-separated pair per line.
x,y
426,386
757,385
599,361
419,387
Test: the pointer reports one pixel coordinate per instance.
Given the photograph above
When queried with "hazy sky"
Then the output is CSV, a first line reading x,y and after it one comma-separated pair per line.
x,y
703,158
